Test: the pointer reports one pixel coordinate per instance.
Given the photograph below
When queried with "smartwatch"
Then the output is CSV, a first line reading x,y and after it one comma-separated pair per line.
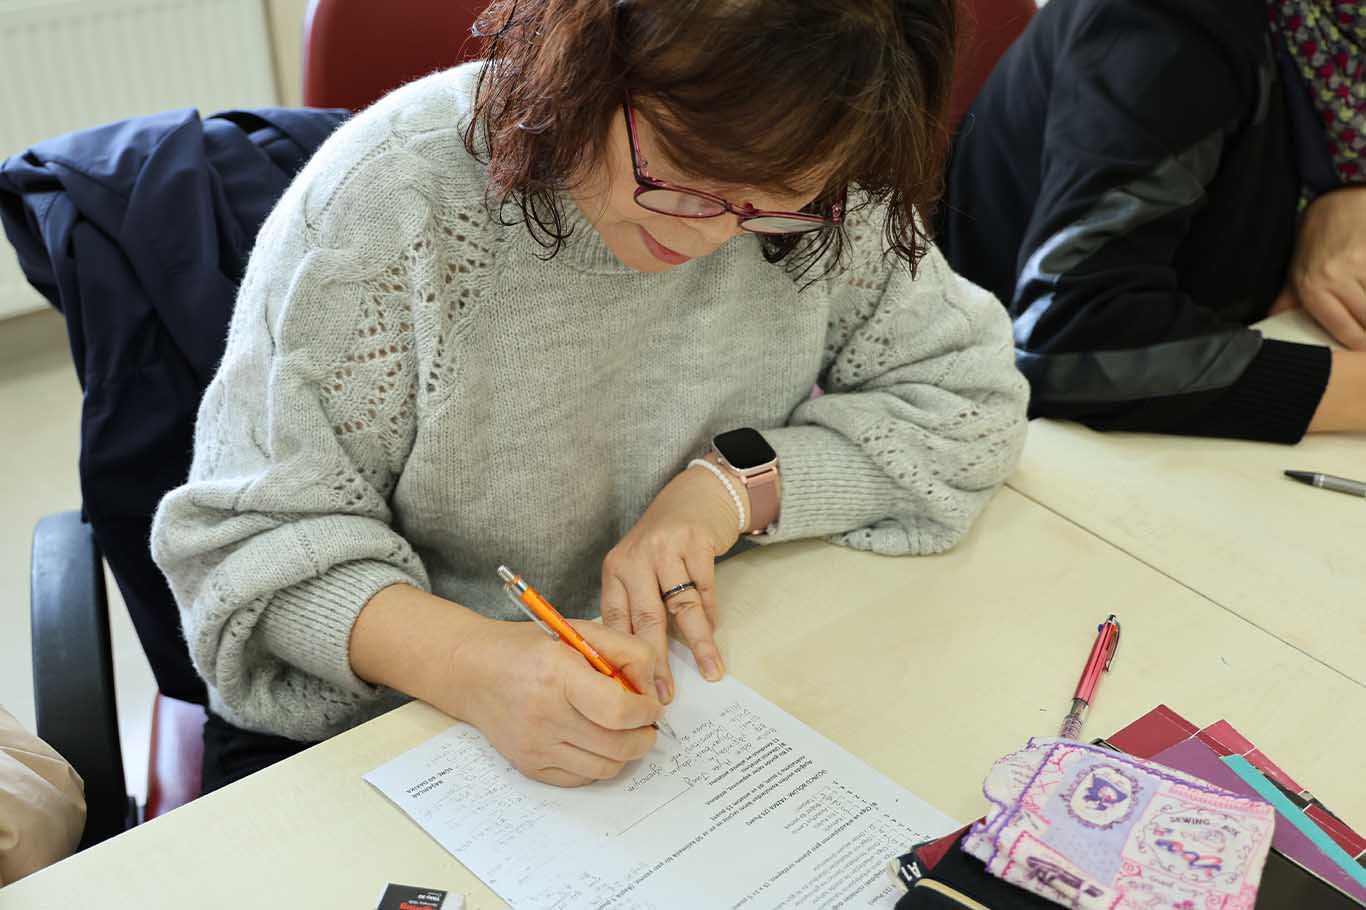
x,y
748,456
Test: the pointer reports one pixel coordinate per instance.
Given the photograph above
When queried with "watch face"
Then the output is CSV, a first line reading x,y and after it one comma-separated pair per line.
x,y
744,449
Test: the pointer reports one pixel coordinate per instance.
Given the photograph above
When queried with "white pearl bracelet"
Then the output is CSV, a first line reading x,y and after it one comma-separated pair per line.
x,y
730,488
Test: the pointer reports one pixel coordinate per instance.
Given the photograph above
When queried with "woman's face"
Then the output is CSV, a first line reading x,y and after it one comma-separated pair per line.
x,y
648,241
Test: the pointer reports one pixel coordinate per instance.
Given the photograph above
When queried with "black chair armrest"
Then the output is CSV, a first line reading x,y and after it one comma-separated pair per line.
x,y
73,668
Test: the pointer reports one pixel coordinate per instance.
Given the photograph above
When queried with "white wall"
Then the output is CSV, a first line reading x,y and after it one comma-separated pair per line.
x,y
286,27
72,64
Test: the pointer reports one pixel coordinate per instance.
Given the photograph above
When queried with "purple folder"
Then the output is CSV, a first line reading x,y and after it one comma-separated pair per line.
x,y
1194,757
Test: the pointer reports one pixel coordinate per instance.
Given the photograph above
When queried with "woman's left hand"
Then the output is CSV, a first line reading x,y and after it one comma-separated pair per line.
x,y
1328,272
692,521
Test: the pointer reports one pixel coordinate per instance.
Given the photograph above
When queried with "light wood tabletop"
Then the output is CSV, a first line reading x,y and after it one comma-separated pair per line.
x,y
1219,517
927,668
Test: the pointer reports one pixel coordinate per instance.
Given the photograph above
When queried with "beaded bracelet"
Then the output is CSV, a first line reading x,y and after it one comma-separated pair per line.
x,y
730,488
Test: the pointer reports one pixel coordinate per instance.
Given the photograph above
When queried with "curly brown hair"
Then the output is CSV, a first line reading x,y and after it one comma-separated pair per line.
x,y
757,93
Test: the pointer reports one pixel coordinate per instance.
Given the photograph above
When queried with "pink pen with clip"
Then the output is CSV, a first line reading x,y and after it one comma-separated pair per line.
x,y
1102,655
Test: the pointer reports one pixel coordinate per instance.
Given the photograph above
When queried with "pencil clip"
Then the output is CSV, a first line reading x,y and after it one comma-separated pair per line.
x,y
538,621
1115,649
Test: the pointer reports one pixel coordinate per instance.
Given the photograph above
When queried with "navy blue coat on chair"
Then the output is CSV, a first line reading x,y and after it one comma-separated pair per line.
x,y
139,233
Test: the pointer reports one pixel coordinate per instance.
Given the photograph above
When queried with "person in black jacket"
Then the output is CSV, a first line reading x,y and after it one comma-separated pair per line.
x,y
1130,183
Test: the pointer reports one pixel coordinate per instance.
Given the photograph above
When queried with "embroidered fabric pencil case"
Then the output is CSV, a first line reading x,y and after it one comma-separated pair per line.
x,y
1086,827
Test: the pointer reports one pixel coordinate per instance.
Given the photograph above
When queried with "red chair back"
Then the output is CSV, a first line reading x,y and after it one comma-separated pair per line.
x,y
175,762
986,28
357,51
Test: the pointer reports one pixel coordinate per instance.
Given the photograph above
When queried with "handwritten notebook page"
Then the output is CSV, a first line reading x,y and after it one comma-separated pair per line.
x,y
749,808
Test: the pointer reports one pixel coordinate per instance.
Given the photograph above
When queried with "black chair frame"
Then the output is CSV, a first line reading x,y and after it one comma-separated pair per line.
x,y
73,669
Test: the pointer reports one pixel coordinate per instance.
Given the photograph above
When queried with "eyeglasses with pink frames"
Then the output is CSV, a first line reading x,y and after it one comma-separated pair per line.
x,y
681,202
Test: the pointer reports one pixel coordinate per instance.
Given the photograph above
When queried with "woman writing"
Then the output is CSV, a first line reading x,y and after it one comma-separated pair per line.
x,y
502,316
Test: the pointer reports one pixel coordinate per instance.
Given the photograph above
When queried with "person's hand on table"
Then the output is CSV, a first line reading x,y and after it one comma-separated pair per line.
x,y
541,705
689,524
550,713
1327,274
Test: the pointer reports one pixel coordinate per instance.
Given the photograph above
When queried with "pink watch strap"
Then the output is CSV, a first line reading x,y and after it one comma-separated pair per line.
x,y
763,499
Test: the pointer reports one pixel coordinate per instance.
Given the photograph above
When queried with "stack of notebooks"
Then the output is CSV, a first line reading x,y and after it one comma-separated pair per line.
x,y
1316,860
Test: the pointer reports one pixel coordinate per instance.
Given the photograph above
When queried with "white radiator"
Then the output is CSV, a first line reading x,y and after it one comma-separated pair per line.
x,y
70,64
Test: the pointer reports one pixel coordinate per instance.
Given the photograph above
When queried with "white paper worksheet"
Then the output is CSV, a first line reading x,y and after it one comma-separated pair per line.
x,y
749,808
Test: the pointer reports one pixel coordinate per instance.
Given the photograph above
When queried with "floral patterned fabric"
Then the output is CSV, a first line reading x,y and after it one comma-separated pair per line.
x,y
1327,41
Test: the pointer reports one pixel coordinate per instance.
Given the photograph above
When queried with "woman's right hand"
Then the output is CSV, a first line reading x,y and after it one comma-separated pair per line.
x,y
543,706
548,711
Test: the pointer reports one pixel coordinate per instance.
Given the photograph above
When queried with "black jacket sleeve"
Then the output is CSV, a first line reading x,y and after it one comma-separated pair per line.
x,y
1141,106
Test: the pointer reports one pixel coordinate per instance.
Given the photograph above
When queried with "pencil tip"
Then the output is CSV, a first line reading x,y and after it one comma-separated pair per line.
x,y
1301,476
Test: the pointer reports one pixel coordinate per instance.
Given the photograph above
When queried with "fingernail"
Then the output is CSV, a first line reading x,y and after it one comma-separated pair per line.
x,y
710,667
662,689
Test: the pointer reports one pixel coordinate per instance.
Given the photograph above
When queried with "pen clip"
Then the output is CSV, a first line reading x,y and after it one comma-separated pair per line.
x,y
515,587
537,620
1114,647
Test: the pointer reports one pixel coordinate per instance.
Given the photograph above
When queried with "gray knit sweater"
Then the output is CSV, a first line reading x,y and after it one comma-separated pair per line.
x,y
411,393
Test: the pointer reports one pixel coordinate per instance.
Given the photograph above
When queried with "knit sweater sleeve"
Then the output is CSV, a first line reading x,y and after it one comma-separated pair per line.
x,y
283,531
922,416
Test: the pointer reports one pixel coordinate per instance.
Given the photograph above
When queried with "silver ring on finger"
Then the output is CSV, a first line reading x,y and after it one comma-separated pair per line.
x,y
676,589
